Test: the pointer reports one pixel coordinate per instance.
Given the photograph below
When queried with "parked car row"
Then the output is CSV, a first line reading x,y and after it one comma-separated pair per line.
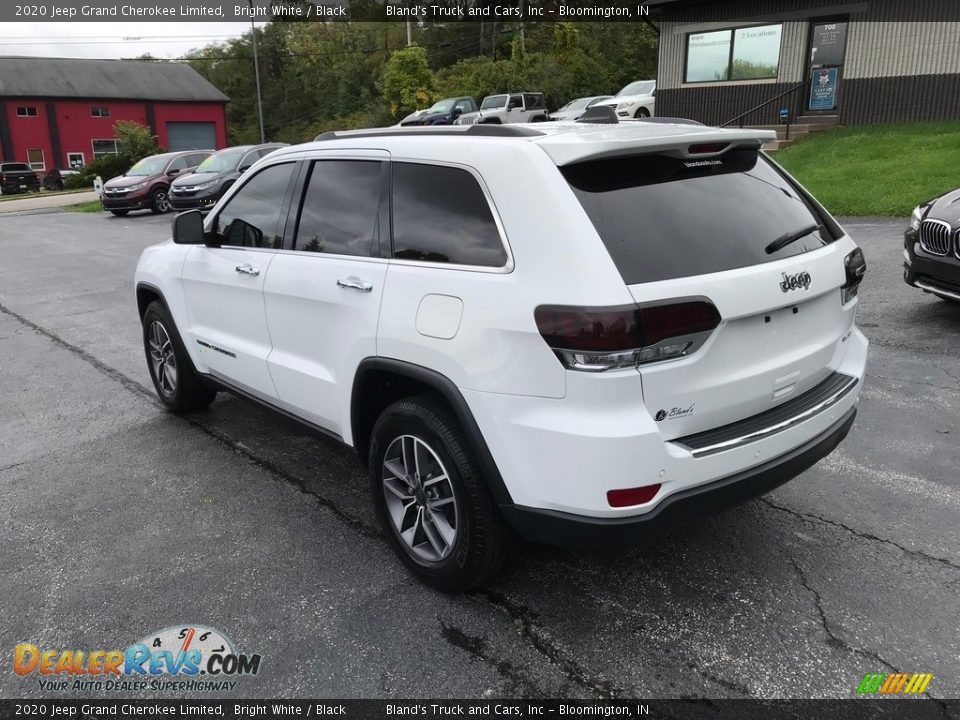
x,y
636,101
180,180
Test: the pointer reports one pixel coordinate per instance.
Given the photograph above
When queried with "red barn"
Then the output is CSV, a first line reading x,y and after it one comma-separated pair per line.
x,y
58,112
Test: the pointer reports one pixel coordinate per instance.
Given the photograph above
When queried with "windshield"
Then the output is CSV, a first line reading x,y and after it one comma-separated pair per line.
x,y
442,106
662,217
494,101
578,104
222,161
149,166
641,87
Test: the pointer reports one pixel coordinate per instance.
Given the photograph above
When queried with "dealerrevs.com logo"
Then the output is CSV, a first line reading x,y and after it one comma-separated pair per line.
x,y
181,658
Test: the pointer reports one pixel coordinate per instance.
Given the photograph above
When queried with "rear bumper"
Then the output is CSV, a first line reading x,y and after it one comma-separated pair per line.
x,y
558,528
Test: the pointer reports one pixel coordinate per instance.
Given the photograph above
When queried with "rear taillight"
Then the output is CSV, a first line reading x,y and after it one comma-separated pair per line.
x,y
599,339
855,267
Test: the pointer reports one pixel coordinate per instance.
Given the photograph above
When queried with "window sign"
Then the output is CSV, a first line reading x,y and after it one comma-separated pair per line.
x,y
823,89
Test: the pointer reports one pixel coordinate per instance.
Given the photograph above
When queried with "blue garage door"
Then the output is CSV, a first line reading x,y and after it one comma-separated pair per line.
x,y
191,136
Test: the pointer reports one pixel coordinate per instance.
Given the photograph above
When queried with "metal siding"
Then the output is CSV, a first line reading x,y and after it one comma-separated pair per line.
x,y
893,71
897,49
191,136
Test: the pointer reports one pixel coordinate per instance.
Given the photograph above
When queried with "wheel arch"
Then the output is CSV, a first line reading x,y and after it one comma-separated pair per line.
x,y
379,382
146,294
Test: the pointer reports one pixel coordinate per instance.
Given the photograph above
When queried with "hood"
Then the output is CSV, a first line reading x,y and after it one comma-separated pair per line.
x,y
944,207
413,116
196,178
568,114
122,181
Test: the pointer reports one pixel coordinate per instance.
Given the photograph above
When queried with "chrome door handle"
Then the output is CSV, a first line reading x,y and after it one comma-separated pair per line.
x,y
248,269
355,283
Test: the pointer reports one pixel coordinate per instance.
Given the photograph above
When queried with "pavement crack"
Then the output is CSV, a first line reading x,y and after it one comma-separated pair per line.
x,y
862,535
476,647
233,445
947,373
10,467
917,382
541,641
833,640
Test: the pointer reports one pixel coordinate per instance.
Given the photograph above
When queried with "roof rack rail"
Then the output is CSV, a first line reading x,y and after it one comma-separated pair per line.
x,y
478,130
670,120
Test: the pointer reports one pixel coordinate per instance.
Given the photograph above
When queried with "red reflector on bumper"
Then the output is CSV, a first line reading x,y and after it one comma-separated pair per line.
x,y
632,496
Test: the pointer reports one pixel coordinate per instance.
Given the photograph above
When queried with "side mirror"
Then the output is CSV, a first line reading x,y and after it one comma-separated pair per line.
x,y
173,171
188,228
244,168
457,112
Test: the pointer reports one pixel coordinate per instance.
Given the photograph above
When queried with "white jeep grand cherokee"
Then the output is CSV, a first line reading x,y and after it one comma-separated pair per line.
x,y
583,334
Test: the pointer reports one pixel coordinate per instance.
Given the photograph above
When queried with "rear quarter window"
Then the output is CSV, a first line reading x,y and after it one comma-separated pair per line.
x,y
662,217
441,215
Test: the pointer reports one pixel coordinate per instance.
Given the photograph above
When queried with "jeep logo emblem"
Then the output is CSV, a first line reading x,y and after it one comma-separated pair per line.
x,y
795,282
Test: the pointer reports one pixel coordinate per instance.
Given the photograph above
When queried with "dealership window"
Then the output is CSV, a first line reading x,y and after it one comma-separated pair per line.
x,y
35,158
27,111
100,112
748,53
104,147
75,160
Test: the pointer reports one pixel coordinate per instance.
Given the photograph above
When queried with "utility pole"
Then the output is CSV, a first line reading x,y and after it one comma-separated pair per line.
x,y
523,44
256,72
409,34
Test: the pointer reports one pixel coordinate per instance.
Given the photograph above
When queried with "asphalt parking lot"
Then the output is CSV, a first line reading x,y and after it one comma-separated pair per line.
x,y
120,519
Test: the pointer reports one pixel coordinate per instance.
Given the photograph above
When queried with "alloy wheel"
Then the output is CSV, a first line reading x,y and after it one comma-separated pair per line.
x,y
162,358
162,201
420,498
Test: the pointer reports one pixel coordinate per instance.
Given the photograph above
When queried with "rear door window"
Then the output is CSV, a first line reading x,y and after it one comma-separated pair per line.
x,y
441,215
341,208
662,217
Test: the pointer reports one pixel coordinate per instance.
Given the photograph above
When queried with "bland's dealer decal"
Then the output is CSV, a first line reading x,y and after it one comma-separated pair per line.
x,y
182,658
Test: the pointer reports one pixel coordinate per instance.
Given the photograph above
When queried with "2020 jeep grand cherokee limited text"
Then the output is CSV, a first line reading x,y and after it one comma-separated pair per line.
x,y
579,333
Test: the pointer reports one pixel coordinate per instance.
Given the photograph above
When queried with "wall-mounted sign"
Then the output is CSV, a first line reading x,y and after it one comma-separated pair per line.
x,y
784,114
823,89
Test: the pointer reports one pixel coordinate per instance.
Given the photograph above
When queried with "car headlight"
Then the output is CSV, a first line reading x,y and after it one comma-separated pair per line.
x,y
915,218
138,186
206,185
624,105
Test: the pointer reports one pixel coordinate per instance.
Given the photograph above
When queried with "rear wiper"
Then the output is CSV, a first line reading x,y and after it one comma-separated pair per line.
x,y
784,240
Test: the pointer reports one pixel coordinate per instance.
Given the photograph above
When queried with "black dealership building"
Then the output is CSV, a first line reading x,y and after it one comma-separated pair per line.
x,y
855,63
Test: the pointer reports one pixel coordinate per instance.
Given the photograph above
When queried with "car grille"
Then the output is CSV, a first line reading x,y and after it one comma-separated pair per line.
x,y
935,237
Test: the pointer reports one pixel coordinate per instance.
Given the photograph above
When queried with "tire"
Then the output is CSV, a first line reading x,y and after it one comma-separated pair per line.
x,y
641,113
119,213
159,201
183,390
457,499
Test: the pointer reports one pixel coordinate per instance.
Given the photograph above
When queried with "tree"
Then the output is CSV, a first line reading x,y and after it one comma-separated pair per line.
x,y
134,141
408,81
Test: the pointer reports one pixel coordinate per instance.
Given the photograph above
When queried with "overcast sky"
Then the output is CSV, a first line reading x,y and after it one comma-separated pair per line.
x,y
113,39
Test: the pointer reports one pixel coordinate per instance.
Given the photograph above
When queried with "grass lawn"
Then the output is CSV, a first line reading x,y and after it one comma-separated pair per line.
x,y
877,169
87,207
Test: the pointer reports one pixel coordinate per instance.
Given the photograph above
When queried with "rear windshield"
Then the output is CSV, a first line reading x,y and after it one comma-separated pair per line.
x,y
662,217
14,167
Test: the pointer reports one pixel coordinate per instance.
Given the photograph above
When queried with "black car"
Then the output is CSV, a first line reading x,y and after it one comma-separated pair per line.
x,y
17,177
205,185
442,112
932,247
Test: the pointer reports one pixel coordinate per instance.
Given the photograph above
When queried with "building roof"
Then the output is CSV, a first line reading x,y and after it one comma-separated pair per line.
x,y
113,79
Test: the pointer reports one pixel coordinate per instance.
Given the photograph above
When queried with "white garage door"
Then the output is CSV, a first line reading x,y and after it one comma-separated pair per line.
x,y
191,136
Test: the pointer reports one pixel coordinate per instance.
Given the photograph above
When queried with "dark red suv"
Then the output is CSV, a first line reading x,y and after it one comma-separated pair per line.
x,y
146,185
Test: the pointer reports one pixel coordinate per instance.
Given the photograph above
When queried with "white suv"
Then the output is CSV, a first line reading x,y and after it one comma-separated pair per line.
x,y
579,333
